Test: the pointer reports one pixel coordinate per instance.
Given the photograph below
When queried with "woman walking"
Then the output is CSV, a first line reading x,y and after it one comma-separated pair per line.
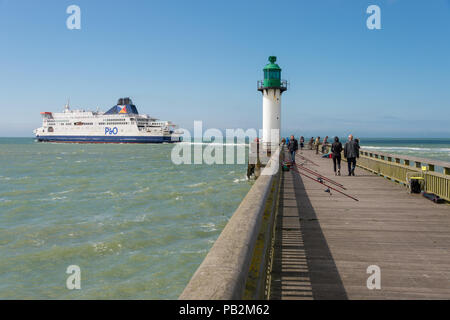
x,y
336,149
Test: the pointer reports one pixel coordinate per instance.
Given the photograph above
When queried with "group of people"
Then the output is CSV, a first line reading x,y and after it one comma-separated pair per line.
x,y
314,144
351,151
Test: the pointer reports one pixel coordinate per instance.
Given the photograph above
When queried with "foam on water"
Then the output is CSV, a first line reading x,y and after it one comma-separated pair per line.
x,y
408,148
438,149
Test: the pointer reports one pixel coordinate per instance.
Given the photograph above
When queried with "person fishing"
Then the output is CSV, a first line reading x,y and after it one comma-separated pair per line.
x,y
293,147
351,152
316,145
336,149
324,144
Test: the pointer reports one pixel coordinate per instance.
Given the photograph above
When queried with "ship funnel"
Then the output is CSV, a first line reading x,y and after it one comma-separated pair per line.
x,y
124,101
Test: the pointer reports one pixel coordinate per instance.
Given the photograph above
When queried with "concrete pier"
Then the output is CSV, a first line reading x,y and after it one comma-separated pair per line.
x,y
290,239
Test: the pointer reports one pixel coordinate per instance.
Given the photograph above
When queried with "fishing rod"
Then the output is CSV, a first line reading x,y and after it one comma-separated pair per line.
x,y
321,176
330,187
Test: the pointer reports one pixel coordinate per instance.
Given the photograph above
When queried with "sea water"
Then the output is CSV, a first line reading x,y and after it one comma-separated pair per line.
x,y
137,225
438,149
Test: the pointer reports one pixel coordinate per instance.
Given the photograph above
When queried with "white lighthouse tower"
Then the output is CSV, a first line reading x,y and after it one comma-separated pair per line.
x,y
271,88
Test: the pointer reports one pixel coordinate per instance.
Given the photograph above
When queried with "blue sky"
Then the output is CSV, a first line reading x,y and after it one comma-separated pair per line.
x,y
200,60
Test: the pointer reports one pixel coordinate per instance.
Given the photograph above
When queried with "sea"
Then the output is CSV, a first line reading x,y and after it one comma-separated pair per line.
x,y
438,148
135,223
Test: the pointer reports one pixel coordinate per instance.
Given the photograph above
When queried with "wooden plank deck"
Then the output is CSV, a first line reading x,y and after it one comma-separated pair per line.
x,y
324,243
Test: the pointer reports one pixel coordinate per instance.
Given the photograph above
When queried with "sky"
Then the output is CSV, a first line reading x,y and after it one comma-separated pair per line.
x,y
200,60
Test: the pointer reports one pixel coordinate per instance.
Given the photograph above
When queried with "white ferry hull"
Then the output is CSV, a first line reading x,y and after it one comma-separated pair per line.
x,y
110,139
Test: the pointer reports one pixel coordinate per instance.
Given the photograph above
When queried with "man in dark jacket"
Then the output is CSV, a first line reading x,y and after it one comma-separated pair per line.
x,y
293,147
351,152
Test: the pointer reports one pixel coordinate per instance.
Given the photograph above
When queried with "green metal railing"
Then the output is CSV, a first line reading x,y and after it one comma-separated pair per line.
x,y
396,167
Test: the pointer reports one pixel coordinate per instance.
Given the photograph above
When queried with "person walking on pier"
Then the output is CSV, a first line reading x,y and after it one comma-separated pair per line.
x,y
336,149
302,143
311,142
351,152
293,147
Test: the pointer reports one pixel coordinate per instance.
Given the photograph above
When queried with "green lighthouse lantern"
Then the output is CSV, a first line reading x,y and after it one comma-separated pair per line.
x,y
272,74
272,77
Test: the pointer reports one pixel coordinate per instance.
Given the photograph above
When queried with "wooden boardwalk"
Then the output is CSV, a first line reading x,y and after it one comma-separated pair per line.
x,y
325,243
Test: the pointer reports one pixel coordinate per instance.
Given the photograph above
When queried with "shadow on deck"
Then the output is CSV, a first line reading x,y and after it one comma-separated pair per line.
x,y
303,266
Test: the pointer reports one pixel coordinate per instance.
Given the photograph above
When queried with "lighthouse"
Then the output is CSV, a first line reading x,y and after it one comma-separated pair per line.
x,y
271,88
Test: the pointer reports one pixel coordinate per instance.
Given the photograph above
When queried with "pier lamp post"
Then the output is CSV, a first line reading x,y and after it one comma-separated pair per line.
x,y
271,88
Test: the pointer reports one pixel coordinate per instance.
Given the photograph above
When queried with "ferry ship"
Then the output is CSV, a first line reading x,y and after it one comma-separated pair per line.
x,y
120,124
